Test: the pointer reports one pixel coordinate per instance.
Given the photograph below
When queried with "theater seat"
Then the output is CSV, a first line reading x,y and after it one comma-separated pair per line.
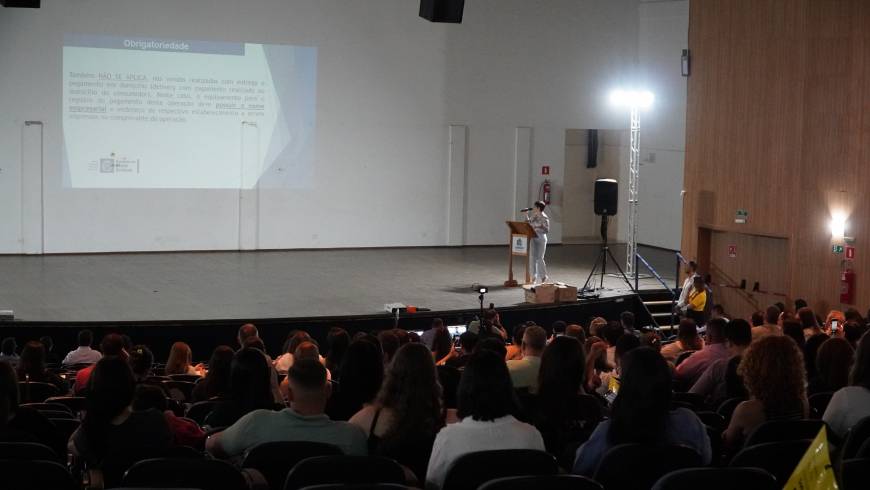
x,y
778,458
26,450
471,470
784,430
856,437
353,470
855,474
34,392
21,474
717,479
639,466
549,482
274,460
204,474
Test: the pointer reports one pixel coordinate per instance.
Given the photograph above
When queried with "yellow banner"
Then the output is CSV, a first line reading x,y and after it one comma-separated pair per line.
x,y
814,472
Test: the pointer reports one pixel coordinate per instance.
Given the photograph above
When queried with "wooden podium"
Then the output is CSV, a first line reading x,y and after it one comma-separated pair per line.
x,y
521,234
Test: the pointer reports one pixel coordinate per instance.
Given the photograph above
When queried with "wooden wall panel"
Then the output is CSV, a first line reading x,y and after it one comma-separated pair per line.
x,y
778,123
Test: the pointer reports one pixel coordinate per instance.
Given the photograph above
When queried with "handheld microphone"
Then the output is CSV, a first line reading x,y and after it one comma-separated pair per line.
x,y
525,209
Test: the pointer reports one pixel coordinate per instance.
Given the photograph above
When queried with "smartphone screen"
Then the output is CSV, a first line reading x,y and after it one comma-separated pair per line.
x,y
835,325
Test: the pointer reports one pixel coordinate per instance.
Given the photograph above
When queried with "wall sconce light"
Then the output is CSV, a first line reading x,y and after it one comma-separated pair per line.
x,y
838,226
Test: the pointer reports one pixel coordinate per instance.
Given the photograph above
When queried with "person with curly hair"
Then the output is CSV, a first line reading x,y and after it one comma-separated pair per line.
x,y
773,372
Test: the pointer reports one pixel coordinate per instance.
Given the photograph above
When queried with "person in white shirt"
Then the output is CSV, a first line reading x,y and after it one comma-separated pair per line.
x,y
691,274
83,354
541,224
524,372
852,403
487,404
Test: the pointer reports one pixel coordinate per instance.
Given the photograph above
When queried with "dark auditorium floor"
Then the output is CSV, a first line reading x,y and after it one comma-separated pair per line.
x,y
278,284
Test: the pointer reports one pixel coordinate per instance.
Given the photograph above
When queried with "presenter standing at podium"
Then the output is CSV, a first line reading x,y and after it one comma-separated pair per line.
x,y
540,222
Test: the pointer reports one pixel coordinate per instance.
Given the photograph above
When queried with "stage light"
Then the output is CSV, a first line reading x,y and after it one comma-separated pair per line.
x,y
482,290
642,99
838,226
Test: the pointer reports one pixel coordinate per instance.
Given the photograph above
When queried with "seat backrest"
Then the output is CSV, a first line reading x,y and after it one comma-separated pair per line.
x,y
638,466
65,427
550,482
179,390
344,469
35,392
35,474
74,404
200,410
695,400
778,458
717,479
205,474
856,436
712,419
364,486
275,459
818,403
855,474
57,414
727,407
191,378
48,405
683,356
449,378
784,430
471,470
26,450
114,465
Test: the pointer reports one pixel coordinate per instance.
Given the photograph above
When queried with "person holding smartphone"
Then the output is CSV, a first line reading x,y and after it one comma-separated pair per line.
x,y
834,323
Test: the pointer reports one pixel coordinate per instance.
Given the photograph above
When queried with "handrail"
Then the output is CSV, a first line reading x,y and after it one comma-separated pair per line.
x,y
746,296
638,258
652,270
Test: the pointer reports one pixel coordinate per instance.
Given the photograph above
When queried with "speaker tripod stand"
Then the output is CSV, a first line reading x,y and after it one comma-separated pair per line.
x,y
601,262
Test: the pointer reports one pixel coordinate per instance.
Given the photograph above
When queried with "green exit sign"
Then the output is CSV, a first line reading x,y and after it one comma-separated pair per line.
x,y
741,216
837,249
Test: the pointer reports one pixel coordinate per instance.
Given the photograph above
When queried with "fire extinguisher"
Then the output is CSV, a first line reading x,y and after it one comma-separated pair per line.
x,y
545,191
847,286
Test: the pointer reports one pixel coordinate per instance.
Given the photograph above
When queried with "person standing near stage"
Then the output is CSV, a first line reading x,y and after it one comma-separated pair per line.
x,y
541,224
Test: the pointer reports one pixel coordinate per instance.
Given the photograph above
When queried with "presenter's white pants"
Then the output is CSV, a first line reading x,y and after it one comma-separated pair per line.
x,y
539,267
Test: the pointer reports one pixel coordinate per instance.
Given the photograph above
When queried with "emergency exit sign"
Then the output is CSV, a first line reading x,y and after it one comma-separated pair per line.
x,y
837,249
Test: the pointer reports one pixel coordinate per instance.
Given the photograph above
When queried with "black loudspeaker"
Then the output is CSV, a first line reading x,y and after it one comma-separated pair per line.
x,y
592,149
606,197
26,4
442,10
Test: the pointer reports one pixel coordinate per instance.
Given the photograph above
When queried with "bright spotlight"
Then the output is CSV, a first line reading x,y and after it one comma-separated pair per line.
x,y
642,99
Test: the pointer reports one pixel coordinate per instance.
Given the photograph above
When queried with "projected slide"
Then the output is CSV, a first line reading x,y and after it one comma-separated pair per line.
x,y
171,113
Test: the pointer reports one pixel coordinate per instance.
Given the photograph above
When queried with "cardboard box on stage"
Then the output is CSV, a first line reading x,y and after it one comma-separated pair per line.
x,y
550,293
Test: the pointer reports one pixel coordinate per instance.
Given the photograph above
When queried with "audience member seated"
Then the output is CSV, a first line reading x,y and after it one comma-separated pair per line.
x,y
23,424
442,346
811,350
642,414
112,346
141,361
304,420
715,350
216,383
493,344
179,361
361,376
110,425
772,370
653,340
467,343
285,360
524,372
7,351
487,405
51,358
31,367
490,326
558,412
612,333
337,342
839,317
718,311
770,326
250,389
389,345
687,340
713,383
577,332
515,350
597,326
428,337
626,320
808,320
853,331
852,403
184,432
833,363
407,414
83,354
306,350
624,345
794,329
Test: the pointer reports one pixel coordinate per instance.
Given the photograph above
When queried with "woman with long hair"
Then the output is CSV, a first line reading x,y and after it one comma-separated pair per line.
x,y
487,408
337,342
852,403
250,388
833,364
642,414
407,413
560,412
31,367
110,425
362,374
179,361
216,383
773,372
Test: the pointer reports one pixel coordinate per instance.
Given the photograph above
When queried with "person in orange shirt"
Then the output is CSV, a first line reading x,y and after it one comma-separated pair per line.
x,y
697,301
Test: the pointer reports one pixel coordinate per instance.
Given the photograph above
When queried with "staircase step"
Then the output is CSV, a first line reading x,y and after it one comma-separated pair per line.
x,y
660,315
657,303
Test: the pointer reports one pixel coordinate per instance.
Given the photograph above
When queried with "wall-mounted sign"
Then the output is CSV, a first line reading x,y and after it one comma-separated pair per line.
x,y
732,251
741,217
837,249
545,170
850,253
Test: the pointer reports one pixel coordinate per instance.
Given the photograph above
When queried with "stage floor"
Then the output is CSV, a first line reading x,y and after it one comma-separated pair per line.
x,y
281,284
